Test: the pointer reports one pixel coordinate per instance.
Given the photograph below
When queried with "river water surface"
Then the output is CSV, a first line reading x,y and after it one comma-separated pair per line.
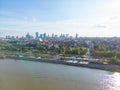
x,y
30,75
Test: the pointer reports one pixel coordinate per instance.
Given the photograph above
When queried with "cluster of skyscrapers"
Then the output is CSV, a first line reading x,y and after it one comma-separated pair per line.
x,y
43,36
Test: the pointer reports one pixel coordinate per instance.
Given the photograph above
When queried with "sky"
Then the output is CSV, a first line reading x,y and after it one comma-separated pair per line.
x,y
88,18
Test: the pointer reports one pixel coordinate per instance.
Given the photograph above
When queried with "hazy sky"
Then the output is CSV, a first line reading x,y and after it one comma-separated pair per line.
x,y
85,17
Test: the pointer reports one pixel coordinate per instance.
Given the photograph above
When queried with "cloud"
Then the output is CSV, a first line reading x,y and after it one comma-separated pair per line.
x,y
114,18
73,26
112,8
108,24
99,26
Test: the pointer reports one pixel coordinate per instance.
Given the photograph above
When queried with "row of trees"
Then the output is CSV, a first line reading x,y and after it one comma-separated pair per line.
x,y
76,50
105,52
45,49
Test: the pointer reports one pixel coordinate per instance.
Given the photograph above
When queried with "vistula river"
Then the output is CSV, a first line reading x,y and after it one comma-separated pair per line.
x,y
30,75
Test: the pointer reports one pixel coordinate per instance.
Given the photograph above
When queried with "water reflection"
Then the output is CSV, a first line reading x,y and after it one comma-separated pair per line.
x,y
26,75
111,81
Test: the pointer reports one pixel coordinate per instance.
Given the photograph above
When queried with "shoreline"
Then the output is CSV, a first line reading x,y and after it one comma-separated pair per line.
x,y
92,65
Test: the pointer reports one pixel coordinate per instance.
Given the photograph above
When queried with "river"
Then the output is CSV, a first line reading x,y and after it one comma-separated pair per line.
x,y
31,75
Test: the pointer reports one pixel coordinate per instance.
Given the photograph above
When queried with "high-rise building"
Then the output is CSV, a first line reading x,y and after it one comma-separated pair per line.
x,y
52,35
36,35
76,36
67,35
44,35
27,36
40,35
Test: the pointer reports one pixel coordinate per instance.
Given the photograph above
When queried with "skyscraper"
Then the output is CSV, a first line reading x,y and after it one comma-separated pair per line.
x,y
37,35
52,35
44,35
76,36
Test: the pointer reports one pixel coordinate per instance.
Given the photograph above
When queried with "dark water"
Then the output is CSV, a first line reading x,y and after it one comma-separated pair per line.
x,y
29,75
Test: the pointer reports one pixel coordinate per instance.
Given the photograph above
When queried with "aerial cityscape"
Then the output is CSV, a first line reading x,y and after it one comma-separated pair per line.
x,y
101,50
59,44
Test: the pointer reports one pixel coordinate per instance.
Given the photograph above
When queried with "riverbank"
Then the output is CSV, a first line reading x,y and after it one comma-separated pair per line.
x,y
93,65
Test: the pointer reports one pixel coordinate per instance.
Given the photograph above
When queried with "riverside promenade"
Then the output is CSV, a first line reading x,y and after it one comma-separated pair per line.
x,y
78,63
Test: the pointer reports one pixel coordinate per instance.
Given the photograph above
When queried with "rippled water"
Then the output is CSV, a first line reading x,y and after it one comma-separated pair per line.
x,y
29,75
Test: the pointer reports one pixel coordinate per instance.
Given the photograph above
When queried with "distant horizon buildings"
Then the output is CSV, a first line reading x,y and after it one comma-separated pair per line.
x,y
3,34
38,35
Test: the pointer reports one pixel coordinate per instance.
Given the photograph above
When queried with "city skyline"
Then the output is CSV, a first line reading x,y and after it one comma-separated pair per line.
x,y
88,18
38,35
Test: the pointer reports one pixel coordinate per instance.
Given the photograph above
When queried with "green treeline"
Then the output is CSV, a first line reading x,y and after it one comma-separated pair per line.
x,y
45,49
111,55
